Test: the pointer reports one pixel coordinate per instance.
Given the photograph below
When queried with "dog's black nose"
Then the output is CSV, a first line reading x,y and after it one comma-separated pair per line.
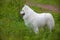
x,y
23,14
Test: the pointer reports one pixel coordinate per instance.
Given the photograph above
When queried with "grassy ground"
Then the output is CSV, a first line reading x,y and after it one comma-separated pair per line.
x,y
12,26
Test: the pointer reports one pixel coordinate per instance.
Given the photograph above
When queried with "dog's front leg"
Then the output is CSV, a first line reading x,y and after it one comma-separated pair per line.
x,y
36,29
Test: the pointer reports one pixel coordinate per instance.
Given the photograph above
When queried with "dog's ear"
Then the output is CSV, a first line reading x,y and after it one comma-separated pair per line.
x,y
26,7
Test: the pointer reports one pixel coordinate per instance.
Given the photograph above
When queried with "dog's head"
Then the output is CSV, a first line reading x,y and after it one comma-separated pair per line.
x,y
24,10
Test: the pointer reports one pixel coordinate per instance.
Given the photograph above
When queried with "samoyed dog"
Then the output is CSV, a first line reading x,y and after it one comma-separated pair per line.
x,y
35,20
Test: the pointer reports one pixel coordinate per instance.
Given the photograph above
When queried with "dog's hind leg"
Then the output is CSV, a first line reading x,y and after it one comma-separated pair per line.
x,y
50,25
50,22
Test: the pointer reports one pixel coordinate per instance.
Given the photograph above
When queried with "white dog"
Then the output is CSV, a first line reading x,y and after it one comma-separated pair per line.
x,y
35,20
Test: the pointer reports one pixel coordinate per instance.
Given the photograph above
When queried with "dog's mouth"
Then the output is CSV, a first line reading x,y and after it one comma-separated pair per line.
x,y
23,14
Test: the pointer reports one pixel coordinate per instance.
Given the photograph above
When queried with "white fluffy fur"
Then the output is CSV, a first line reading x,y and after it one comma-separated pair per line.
x,y
35,20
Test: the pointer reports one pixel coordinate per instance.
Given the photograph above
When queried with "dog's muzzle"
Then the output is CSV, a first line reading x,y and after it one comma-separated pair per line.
x,y
23,14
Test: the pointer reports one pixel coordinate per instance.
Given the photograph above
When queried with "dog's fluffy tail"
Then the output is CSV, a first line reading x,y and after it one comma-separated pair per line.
x,y
50,21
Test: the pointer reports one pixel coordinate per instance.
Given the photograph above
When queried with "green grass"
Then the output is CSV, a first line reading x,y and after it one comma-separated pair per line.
x,y
12,26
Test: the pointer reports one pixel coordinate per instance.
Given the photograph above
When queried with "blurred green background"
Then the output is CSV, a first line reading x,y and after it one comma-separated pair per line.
x,y
12,26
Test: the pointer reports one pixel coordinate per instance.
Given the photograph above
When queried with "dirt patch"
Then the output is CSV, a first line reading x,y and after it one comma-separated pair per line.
x,y
44,6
